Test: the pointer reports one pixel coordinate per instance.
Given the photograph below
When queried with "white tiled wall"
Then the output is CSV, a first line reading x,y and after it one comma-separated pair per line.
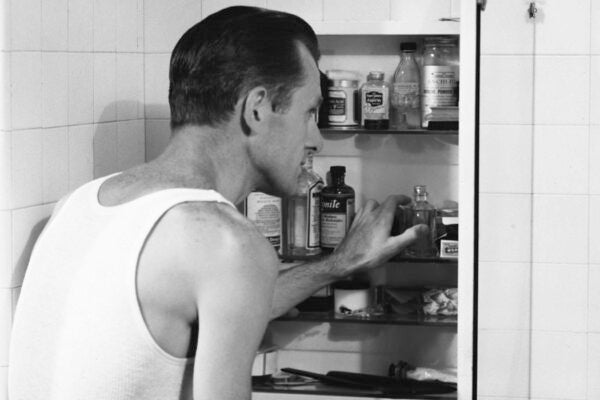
x,y
84,86
60,64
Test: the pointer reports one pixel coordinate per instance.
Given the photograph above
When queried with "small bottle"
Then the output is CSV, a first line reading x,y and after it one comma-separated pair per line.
x,y
406,103
265,212
375,102
423,213
439,77
302,213
337,209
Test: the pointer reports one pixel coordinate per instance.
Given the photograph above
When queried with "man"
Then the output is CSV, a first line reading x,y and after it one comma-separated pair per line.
x,y
148,284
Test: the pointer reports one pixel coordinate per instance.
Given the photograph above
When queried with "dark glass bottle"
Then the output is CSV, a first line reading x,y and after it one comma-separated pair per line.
x,y
337,209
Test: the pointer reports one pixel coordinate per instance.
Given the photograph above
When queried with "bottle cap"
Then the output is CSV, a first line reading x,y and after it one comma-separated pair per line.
x,y
408,46
377,75
420,189
337,170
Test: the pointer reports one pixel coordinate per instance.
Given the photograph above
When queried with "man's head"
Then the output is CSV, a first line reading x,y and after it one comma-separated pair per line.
x,y
218,60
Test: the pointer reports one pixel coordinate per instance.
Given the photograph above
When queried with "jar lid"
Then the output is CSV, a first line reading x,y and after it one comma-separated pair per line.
x,y
377,75
408,46
350,83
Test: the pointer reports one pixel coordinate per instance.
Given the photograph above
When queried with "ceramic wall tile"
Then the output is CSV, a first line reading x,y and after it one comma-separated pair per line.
x,y
55,89
55,25
505,158
503,362
81,88
356,10
5,170
55,164
310,10
131,148
105,87
165,22
504,296
81,155
594,170
26,90
5,248
594,298
5,89
507,94
560,155
420,9
26,24
157,86
26,168
5,324
105,149
556,238
595,89
105,25
562,90
130,86
81,25
593,383
595,23
212,6
129,25
558,365
559,297
28,223
5,30
506,28
551,37
505,227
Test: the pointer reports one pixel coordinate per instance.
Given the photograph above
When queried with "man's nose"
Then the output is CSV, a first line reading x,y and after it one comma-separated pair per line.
x,y
315,139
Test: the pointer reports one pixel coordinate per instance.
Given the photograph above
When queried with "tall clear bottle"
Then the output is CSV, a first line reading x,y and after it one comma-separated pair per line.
x,y
423,213
302,214
406,92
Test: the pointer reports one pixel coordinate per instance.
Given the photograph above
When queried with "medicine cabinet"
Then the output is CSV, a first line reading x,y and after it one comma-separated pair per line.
x,y
379,163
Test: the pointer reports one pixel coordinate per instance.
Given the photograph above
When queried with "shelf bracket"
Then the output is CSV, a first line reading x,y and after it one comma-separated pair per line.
x,y
532,10
482,4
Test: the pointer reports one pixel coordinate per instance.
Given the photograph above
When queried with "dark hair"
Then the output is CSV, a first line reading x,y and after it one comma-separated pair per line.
x,y
222,57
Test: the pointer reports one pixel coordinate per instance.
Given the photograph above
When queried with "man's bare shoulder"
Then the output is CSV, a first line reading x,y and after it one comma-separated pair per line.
x,y
216,233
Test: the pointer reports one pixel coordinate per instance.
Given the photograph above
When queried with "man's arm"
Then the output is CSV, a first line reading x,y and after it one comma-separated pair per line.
x,y
368,244
235,274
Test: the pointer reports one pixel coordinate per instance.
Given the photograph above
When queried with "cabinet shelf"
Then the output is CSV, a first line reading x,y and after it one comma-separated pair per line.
x,y
396,259
362,130
405,27
386,319
328,390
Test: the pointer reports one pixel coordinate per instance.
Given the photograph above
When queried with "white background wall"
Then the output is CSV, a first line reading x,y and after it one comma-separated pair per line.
x,y
82,80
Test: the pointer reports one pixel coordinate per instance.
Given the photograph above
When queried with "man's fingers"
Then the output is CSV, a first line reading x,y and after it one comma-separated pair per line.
x,y
409,236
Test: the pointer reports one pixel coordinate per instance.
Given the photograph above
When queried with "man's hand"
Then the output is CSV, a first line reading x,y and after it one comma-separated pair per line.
x,y
369,242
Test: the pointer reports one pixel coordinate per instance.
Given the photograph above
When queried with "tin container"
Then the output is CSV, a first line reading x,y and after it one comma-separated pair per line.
x,y
342,101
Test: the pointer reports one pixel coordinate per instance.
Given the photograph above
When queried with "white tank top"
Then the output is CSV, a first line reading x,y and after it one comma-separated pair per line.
x,y
78,331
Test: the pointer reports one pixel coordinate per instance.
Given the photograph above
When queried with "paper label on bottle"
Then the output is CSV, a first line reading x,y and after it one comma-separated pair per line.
x,y
440,88
406,94
375,104
336,104
265,212
336,217
313,217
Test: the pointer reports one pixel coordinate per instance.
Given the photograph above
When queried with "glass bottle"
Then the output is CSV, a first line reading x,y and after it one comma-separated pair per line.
x,y
439,78
265,212
423,213
406,93
375,102
337,209
302,213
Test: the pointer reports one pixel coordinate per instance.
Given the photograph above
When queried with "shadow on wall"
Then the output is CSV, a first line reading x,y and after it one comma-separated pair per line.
x,y
23,259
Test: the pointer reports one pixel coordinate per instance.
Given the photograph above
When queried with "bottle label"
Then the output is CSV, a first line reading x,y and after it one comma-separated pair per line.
x,y
265,212
313,217
375,104
336,217
406,95
440,88
337,105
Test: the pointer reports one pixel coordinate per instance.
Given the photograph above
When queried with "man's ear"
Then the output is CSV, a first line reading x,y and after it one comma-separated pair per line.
x,y
256,111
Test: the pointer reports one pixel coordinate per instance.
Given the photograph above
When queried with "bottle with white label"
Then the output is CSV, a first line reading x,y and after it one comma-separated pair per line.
x,y
337,209
265,212
439,78
375,102
406,93
302,217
